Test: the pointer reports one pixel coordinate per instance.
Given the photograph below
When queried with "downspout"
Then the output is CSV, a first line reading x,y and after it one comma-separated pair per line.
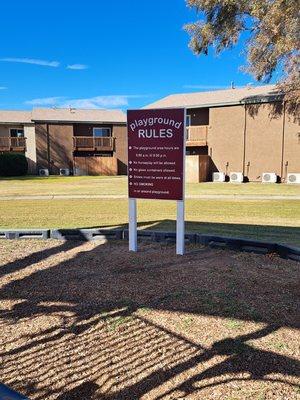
x,y
244,138
48,148
283,178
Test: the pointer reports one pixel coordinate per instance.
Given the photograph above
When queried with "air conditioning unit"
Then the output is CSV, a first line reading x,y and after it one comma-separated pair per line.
x,y
269,177
64,172
236,177
79,172
293,178
218,177
44,172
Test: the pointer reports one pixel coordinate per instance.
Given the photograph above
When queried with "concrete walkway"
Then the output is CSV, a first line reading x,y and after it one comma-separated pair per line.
x,y
124,196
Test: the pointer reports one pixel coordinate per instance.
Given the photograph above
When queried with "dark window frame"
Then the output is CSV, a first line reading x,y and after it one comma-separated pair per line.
x,y
17,133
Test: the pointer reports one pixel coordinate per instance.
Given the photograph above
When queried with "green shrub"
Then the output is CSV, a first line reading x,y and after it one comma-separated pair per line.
x,y
13,164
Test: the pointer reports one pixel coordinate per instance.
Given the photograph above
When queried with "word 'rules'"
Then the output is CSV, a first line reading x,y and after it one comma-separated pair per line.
x,y
156,143
146,127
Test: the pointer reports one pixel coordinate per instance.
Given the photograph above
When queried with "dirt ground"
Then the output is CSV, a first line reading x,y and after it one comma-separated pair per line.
x,y
93,321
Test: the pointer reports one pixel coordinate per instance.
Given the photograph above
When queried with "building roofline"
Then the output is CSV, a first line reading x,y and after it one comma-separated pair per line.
x,y
247,96
57,121
222,104
17,122
15,117
237,103
77,115
24,117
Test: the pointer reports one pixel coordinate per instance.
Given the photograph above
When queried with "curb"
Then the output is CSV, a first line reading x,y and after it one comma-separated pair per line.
x,y
25,234
221,242
86,234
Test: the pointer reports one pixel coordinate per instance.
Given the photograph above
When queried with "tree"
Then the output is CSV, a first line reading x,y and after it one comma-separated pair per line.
x,y
273,31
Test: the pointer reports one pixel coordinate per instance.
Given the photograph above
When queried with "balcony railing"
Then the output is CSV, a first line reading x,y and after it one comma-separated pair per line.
x,y
90,143
197,135
12,143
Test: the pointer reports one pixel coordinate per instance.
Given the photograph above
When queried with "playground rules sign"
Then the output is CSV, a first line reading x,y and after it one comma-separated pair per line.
x,y
156,153
156,145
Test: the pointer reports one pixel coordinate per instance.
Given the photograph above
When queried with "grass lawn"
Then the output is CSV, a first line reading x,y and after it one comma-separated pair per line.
x,y
276,220
92,321
100,185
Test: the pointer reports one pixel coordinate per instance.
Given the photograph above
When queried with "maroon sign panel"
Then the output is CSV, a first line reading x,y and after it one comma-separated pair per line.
x,y
156,153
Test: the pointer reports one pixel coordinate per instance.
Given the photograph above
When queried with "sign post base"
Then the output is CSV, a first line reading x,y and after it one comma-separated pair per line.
x,y
132,225
180,228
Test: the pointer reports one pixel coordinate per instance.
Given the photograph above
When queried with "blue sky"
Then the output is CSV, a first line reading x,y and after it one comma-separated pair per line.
x,y
107,54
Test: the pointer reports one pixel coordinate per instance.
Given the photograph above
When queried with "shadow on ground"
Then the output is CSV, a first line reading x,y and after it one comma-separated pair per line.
x,y
281,234
93,322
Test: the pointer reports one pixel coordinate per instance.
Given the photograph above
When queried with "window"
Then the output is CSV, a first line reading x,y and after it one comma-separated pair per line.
x,y
187,124
101,132
188,120
14,132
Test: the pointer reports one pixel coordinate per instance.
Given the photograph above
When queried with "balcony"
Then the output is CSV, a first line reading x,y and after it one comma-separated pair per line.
x,y
197,135
8,143
90,143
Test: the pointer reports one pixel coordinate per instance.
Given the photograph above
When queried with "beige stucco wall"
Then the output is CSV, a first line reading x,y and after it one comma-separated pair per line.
x,y
226,137
291,154
29,133
192,169
253,140
263,149
4,129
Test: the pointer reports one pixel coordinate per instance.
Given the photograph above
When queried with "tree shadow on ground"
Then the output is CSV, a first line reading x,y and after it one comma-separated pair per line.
x,y
96,340
85,390
36,257
272,233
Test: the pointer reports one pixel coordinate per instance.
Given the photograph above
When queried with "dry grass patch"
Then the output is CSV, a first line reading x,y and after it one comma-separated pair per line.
x,y
93,321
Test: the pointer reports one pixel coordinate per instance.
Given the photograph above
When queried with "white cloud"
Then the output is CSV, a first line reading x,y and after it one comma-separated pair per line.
x,y
77,66
97,102
101,101
87,103
44,63
45,101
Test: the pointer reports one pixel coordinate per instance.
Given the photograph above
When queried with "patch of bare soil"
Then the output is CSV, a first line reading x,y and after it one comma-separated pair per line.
x,y
93,321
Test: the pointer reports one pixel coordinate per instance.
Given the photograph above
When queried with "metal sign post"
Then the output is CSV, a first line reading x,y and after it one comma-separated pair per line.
x,y
156,164
180,228
132,225
180,217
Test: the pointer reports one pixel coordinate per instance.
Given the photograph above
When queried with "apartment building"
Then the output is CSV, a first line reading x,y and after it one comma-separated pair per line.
x,y
80,141
244,130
